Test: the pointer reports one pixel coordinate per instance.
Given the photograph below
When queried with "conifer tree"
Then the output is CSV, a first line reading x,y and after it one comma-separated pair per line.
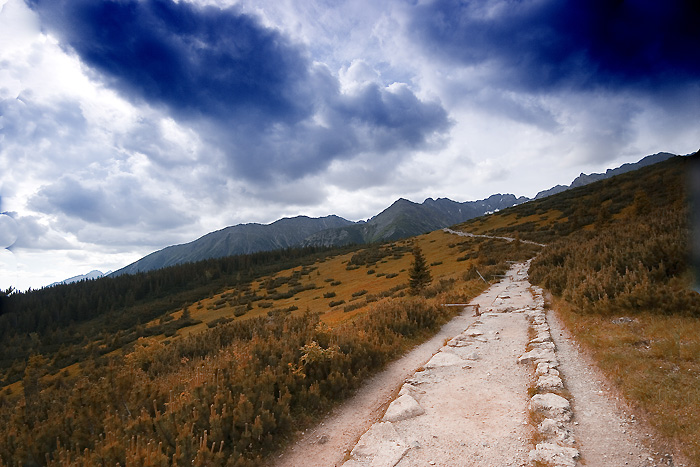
x,y
419,274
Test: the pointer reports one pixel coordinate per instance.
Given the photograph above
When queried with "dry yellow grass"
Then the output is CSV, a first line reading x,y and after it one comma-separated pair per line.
x,y
487,224
435,245
655,361
436,249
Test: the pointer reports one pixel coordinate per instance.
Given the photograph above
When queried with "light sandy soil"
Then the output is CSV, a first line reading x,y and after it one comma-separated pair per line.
x,y
328,443
477,415
476,405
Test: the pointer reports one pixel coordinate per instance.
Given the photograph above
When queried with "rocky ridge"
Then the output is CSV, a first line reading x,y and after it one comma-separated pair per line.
x,y
402,219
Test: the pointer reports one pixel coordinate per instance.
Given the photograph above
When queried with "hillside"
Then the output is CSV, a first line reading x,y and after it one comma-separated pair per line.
x,y
402,219
250,363
236,240
585,179
617,266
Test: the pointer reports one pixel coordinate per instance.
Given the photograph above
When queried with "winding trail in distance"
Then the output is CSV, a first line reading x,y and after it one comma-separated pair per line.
x,y
507,239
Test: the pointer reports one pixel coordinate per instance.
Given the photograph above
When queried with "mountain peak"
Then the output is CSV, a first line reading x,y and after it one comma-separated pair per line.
x,y
94,274
401,201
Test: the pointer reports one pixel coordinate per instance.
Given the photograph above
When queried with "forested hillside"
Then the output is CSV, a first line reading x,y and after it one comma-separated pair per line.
x,y
71,322
217,363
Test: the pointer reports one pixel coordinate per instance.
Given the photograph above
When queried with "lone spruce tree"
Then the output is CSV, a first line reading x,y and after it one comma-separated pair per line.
x,y
419,274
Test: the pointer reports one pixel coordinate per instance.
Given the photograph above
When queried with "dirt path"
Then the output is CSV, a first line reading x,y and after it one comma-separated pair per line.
x,y
507,239
328,443
474,392
464,399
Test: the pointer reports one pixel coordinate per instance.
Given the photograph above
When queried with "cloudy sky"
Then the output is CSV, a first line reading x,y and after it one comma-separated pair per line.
x,y
130,125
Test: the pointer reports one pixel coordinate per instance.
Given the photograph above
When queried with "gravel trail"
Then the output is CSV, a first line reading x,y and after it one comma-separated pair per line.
x,y
328,443
463,399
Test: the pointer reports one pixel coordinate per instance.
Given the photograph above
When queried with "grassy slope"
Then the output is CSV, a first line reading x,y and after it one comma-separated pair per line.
x,y
669,342
390,272
631,261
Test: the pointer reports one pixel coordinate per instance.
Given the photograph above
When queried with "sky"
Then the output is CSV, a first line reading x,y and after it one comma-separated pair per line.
x,y
130,125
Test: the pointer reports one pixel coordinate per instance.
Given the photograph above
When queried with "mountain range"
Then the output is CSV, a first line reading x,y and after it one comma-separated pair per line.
x,y
402,219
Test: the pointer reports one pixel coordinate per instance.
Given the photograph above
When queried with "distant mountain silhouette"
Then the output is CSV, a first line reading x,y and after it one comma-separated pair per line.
x,y
237,239
89,276
402,219
584,179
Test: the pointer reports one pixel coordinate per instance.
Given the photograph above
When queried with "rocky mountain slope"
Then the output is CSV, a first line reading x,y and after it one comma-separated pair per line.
x,y
400,220
95,274
405,218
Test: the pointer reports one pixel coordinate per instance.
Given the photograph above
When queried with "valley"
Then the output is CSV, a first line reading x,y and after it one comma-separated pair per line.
x,y
225,361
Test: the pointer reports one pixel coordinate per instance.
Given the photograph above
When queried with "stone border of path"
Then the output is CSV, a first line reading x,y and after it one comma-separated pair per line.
x,y
552,412
381,445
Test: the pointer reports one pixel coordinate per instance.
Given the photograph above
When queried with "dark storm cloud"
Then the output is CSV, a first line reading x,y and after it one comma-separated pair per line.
x,y
369,120
247,89
578,44
398,114
197,61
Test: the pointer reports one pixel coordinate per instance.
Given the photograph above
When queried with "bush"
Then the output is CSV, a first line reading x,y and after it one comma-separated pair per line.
x,y
353,307
640,264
